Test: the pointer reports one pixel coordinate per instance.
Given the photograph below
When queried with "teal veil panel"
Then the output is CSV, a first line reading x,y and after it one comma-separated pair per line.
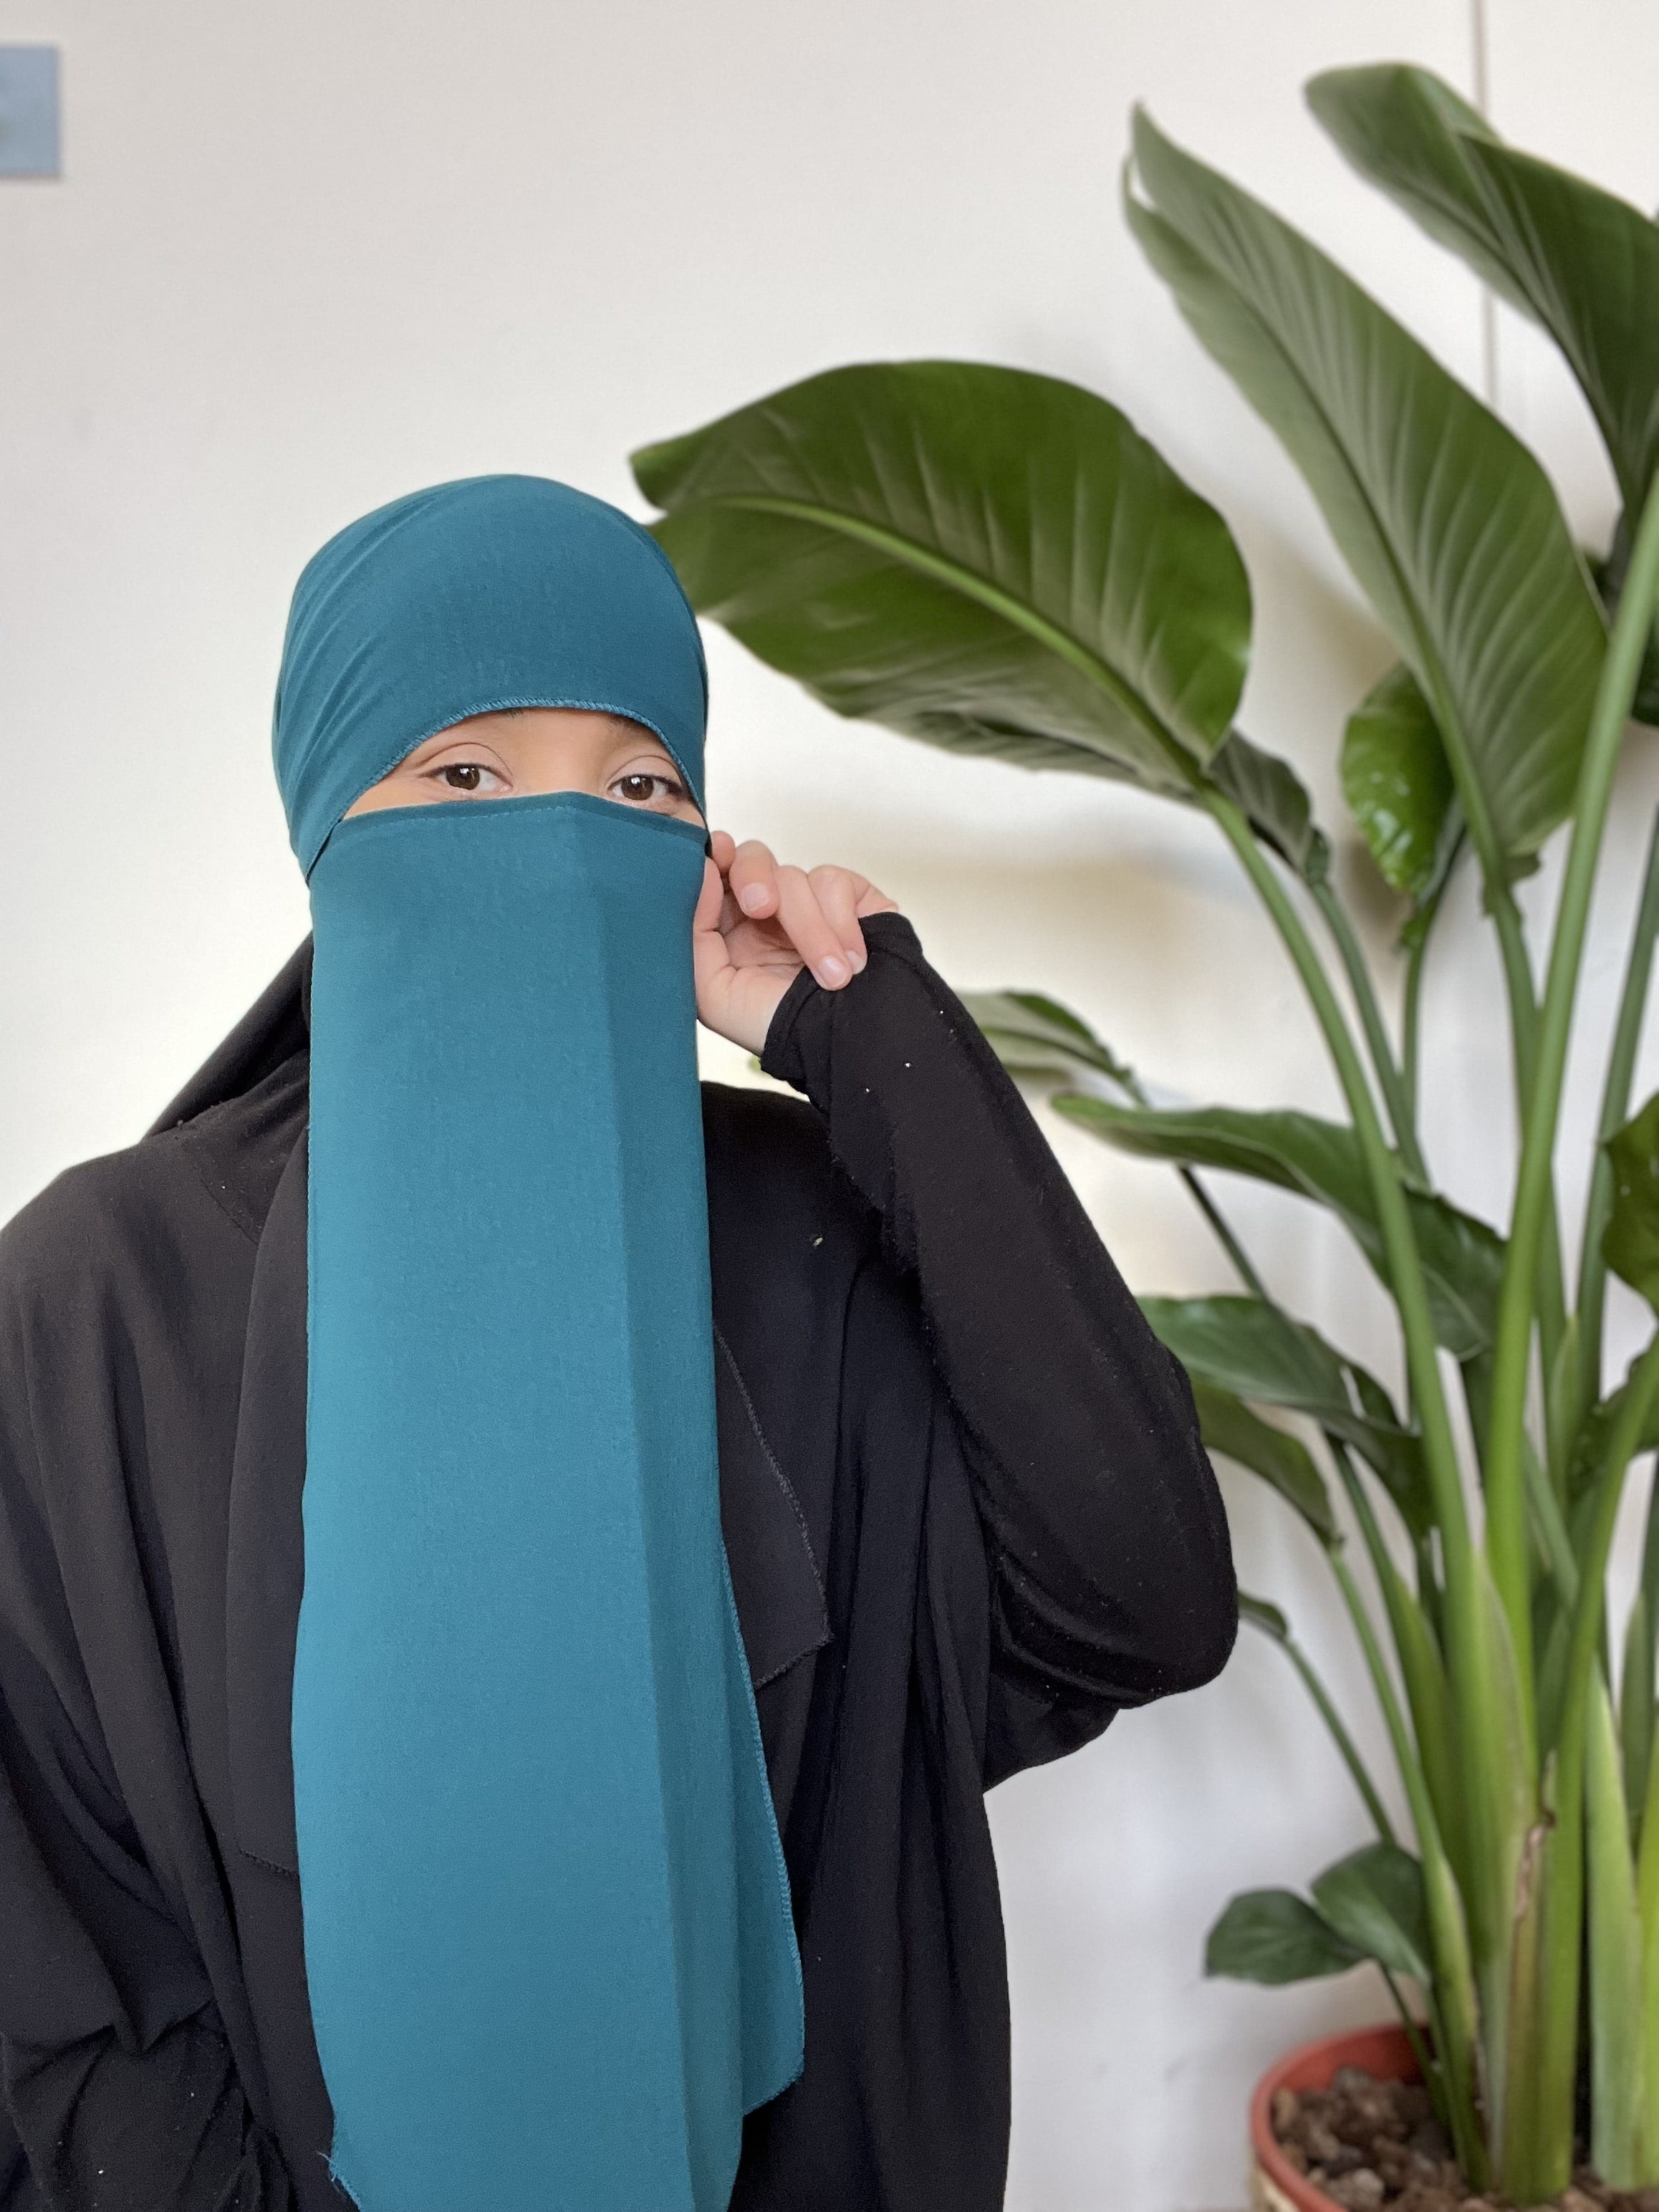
x,y
548,1939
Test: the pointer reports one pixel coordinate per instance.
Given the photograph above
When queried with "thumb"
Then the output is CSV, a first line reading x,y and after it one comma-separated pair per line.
x,y
710,961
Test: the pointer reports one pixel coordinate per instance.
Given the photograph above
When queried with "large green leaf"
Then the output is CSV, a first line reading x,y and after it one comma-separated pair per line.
x,y
1462,1258
1374,1900
1581,263
1262,1354
1398,784
1446,519
1629,1244
1032,1035
1272,1936
988,560
1230,1429
1254,1349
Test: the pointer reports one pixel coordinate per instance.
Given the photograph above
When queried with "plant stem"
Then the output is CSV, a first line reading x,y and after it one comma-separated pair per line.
x,y
1622,1445
1506,1529
1428,1588
1636,1684
1550,1286
1615,1109
1550,1524
1405,1261
1413,2034
1518,982
1448,1933
1412,1012
1557,2011
1395,1096
1128,1082
1377,1666
1339,1736
1225,1236
1491,1786
1552,1297
1417,1657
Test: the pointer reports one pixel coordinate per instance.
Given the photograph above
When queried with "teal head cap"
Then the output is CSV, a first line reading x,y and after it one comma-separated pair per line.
x,y
502,591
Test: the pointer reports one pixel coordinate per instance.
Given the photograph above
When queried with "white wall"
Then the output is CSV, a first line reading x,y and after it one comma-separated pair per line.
x,y
304,258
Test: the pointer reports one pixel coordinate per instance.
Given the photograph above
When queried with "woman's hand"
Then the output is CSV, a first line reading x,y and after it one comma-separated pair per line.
x,y
757,925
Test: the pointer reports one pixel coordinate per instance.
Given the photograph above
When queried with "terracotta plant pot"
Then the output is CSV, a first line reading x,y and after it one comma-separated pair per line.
x,y
1275,2185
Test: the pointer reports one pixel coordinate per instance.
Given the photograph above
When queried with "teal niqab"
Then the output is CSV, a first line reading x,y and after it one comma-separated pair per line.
x,y
548,1940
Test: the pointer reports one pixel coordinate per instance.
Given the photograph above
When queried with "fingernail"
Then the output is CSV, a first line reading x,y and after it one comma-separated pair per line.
x,y
833,971
752,898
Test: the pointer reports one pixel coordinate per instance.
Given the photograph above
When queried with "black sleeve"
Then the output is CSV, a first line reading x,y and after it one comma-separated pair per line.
x,y
111,2108
115,2072
1112,1575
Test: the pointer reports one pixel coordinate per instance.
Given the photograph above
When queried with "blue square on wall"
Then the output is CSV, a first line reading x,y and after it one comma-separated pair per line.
x,y
29,141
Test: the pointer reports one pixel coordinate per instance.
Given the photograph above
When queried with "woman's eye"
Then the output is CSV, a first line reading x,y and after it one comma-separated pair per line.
x,y
469,777
639,789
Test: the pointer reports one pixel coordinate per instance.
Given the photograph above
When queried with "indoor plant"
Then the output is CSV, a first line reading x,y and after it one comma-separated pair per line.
x,y
995,562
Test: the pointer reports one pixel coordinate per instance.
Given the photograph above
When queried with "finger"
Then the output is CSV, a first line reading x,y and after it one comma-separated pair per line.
x,y
724,845
871,901
710,900
753,876
836,890
711,957
809,932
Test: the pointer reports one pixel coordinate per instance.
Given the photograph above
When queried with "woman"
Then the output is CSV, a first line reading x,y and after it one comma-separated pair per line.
x,y
516,1578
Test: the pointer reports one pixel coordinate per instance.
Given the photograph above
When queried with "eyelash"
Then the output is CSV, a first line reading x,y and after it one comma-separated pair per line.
x,y
668,785
442,774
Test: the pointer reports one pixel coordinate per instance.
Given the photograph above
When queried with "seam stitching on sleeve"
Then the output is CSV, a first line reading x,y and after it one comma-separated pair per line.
x,y
779,1476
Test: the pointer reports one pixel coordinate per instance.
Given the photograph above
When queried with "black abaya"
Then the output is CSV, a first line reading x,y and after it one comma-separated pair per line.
x,y
968,1518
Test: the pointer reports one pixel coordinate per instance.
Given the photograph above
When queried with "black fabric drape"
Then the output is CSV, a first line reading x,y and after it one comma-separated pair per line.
x,y
968,1518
